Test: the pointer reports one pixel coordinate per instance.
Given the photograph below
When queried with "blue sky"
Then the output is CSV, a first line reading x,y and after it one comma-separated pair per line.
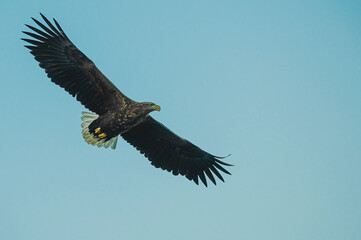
x,y
275,83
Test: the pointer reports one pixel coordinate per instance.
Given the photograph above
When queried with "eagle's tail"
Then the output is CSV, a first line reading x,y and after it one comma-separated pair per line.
x,y
87,119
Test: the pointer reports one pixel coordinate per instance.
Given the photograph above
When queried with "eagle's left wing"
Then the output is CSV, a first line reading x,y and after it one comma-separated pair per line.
x,y
168,151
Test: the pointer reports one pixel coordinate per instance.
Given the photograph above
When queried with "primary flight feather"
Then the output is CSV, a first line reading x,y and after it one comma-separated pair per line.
x,y
114,113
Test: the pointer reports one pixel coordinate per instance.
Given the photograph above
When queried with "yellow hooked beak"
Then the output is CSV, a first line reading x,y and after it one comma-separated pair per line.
x,y
156,108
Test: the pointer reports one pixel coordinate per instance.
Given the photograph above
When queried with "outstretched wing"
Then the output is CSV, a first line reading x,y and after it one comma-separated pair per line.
x,y
172,153
69,68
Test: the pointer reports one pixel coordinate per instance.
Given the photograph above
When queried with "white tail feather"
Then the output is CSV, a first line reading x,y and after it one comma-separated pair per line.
x,y
87,119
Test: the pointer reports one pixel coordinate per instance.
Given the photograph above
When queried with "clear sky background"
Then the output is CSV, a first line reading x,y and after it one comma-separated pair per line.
x,y
275,83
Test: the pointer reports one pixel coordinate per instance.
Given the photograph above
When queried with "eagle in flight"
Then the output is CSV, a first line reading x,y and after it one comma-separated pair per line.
x,y
114,114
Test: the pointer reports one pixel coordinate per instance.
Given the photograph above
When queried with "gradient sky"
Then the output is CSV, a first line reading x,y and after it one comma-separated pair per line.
x,y
275,83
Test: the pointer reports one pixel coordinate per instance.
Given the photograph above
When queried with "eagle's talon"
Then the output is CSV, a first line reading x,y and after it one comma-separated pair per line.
x,y
102,135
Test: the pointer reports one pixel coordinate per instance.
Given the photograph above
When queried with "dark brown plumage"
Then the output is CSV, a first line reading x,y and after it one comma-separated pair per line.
x,y
116,114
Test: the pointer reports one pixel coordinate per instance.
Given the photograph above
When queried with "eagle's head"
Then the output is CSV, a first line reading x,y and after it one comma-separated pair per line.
x,y
147,107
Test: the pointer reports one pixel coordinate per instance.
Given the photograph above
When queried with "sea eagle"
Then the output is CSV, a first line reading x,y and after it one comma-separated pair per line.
x,y
114,113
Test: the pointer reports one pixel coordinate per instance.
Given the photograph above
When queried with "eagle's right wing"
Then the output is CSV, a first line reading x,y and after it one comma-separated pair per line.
x,y
69,68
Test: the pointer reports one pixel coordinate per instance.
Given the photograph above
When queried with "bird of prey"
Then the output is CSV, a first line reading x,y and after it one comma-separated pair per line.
x,y
113,113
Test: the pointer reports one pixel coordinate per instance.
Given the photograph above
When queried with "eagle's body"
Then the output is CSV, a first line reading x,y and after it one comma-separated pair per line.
x,y
118,121
114,113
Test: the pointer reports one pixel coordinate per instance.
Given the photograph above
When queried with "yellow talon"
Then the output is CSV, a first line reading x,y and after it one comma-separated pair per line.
x,y
102,135
97,130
